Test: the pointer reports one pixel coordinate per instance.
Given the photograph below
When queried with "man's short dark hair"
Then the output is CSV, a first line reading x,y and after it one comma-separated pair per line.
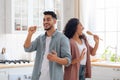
x,y
50,13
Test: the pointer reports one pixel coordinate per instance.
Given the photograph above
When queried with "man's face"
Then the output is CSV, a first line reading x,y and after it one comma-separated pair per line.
x,y
48,22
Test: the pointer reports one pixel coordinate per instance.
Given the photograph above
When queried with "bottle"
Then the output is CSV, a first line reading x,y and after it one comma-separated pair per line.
x,y
2,54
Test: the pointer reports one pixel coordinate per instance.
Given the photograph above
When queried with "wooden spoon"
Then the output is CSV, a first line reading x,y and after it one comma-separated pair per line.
x,y
90,33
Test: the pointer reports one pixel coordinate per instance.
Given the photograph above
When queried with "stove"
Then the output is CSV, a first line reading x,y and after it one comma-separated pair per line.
x,y
14,61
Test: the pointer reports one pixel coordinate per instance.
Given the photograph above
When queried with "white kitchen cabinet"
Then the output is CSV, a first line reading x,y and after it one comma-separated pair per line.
x,y
3,74
20,70
20,14
105,73
18,73
22,73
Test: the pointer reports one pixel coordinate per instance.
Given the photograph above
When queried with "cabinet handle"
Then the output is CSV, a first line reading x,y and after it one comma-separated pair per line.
x,y
19,78
116,69
25,76
113,69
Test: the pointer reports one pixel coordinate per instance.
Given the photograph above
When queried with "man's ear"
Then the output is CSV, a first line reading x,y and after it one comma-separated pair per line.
x,y
55,21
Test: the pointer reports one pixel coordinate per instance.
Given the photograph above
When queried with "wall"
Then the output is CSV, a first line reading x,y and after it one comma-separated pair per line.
x,y
14,46
2,16
68,10
12,42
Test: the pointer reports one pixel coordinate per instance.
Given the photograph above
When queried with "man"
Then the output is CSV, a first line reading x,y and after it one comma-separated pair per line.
x,y
52,50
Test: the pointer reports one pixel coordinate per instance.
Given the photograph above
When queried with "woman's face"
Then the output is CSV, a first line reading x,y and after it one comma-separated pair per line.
x,y
80,28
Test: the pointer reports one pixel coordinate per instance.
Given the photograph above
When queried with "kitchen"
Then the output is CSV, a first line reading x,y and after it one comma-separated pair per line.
x,y
99,16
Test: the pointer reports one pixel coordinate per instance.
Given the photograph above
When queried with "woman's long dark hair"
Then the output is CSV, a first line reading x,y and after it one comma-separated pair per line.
x,y
71,27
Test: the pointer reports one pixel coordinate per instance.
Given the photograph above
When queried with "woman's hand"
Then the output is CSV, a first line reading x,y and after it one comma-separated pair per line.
x,y
96,38
82,54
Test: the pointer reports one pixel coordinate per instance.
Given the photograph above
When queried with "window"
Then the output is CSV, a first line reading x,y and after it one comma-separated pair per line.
x,y
107,24
103,18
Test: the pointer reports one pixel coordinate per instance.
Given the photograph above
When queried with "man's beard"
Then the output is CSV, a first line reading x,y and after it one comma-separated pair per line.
x,y
48,28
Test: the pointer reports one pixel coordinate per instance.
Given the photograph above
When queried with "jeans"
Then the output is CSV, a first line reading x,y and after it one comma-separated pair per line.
x,y
82,72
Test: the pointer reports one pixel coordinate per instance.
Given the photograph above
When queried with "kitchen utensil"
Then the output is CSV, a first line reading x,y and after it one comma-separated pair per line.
x,y
90,33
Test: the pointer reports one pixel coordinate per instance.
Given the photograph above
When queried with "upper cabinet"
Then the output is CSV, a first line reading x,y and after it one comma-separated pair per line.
x,y
20,14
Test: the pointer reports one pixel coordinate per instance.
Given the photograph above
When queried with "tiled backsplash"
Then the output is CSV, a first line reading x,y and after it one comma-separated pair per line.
x,y
14,46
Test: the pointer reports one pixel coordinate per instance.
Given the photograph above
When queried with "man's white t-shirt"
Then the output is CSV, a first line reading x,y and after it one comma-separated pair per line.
x,y
45,74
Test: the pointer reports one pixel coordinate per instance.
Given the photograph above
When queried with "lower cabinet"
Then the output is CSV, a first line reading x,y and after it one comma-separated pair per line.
x,y
22,73
3,74
105,73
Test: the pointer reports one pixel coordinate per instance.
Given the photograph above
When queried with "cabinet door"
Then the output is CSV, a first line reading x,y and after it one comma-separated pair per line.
x,y
104,73
3,75
22,73
99,73
116,73
20,14
20,70
16,15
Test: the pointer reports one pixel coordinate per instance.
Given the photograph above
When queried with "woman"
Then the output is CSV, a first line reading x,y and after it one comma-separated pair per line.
x,y
80,67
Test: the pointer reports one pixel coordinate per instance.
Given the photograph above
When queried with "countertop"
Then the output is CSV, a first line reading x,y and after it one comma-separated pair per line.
x,y
100,63
2,66
106,64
